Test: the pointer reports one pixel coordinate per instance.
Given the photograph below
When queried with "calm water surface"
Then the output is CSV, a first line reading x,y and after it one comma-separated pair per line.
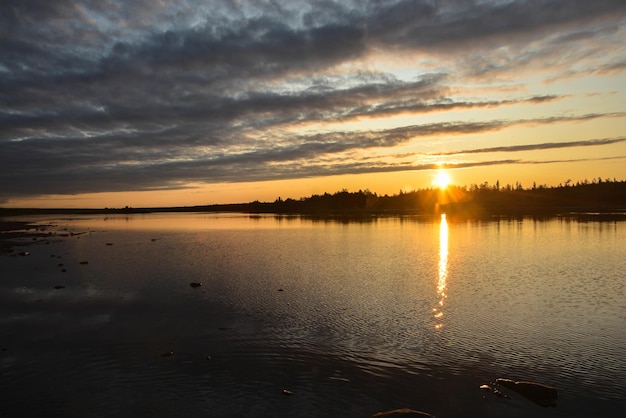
x,y
351,317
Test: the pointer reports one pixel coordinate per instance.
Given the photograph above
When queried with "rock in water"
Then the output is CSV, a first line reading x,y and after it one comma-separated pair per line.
x,y
402,413
195,284
540,394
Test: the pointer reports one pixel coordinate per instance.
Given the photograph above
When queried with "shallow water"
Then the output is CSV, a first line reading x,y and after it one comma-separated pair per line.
x,y
351,317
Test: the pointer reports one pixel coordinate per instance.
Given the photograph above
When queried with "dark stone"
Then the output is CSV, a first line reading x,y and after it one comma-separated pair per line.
x,y
59,286
402,413
168,354
538,393
195,284
84,262
24,253
500,394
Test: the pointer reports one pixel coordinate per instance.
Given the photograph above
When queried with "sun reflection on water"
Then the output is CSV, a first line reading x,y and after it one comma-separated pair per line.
x,y
443,270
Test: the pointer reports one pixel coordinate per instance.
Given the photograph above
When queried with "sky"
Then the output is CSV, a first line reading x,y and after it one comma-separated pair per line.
x,y
113,103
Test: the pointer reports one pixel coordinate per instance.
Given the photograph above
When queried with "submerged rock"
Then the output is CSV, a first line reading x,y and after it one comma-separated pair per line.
x,y
59,286
24,253
168,354
401,413
500,394
195,284
540,394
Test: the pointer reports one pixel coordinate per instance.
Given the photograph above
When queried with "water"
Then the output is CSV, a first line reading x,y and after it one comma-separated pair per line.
x,y
351,317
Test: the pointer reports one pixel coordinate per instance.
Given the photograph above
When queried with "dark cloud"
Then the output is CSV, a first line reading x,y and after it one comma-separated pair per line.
x,y
107,95
429,24
537,147
118,163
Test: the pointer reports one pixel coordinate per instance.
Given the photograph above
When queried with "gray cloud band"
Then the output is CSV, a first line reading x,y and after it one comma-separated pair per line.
x,y
91,100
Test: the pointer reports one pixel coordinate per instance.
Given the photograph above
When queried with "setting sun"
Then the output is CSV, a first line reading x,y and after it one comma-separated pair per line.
x,y
442,179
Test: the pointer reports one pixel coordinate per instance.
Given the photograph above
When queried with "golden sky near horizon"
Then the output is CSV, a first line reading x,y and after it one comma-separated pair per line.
x,y
143,103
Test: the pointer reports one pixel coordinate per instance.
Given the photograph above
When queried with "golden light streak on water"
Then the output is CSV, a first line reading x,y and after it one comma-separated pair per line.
x,y
443,270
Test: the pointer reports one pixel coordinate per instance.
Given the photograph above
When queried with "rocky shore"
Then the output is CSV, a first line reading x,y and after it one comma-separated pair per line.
x,y
11,232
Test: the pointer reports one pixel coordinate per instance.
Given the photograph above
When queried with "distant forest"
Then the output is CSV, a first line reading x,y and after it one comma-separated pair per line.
x,y
599,195
484,199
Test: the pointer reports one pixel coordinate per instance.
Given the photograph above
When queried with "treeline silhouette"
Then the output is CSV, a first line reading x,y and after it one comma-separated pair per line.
x,y
476,200
598,195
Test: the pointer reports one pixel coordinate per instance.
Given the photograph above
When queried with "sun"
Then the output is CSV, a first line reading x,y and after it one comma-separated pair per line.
x,y
442,179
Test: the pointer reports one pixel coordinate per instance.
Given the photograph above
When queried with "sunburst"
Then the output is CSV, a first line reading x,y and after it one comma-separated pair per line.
x,y
442,179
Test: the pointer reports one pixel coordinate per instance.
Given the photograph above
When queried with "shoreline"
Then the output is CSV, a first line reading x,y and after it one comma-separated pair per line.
x,y
13,233
605,197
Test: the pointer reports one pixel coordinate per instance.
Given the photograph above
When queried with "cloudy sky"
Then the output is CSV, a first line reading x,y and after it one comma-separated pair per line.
x,y
148,102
